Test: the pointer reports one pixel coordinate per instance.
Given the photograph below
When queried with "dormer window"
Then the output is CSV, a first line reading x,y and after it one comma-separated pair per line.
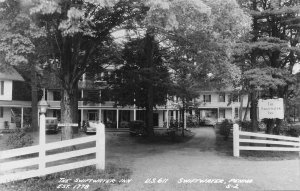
x,y
2,87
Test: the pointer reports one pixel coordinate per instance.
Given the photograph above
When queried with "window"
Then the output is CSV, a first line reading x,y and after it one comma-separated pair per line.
x,y
207,98
56,96
141,115
222,97
93,96
105,95
236,112
92,115
2,87
1,112
233,97
221,113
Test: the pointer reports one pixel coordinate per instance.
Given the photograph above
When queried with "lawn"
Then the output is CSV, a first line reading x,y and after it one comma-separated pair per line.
x,y
129,158
115,170
113,174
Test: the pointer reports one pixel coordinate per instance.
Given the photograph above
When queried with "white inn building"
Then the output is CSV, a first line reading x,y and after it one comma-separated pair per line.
x,y
213,106
12,112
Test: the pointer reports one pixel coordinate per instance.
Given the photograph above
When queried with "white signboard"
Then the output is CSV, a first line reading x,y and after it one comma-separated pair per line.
x,y
271,108
67,124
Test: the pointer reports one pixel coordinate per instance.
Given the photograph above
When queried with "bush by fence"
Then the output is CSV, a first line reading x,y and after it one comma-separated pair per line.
x,y
225,127
19,139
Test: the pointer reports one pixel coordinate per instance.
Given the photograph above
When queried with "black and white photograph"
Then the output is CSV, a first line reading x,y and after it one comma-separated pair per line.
x,y
149,95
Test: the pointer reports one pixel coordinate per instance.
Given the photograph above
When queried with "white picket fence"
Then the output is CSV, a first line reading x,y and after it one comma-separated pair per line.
x,y
42,158
283,143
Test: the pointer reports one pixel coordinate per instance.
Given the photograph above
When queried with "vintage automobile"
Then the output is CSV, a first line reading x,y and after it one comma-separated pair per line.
x,y
51,124
92,126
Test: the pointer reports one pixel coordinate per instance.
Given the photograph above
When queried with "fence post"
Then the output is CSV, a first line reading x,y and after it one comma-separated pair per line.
x,y
42,142
100,147
236,141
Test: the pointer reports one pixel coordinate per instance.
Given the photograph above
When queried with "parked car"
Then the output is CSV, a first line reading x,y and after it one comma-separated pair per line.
x,y
137,127
124,124
51,124
207,122
91,127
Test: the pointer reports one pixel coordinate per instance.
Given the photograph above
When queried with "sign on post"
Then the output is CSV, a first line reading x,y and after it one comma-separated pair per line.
x,y
67,124
271,108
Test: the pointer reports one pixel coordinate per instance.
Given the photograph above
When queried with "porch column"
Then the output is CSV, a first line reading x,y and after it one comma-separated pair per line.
x,y
81,118
184,123
134,114
134,110
175,114
167,118
117,119
81,93
100,116
22,115
44,94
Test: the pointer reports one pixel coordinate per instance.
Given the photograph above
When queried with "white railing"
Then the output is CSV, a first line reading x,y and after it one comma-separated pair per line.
x,y
282,143
42,159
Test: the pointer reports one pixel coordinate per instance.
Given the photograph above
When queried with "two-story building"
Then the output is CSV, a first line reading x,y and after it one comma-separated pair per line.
x,y
11,111
212,105
217,105
105,111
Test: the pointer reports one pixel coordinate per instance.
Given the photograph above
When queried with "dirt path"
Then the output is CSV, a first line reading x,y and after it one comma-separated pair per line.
x,y
198,159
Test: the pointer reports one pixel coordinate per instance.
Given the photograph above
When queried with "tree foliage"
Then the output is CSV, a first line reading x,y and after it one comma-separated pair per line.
x,y
22,44
268,55
129,83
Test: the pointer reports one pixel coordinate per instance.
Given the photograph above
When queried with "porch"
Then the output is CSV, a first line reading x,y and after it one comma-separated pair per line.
x,y
14,114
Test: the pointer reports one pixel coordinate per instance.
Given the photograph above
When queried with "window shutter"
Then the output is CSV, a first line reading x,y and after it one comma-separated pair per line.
x,y
2,87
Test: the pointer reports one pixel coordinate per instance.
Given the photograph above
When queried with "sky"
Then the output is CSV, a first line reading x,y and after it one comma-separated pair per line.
x,y
296,68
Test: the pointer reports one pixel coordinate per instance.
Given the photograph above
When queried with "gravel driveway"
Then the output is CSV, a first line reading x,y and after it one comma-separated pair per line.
x,y
196,165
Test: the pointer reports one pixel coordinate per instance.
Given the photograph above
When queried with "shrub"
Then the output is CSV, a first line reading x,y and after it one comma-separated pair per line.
x,y
192,121
245,125
19,139
225,127
293,131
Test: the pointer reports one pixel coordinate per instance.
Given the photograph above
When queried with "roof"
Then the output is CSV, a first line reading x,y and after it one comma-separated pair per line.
x,y
14,103
217,87
7,72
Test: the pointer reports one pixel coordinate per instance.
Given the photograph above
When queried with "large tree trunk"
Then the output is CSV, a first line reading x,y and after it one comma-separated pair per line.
x,y
183,118
241,107
67,112
75,110
34,99
149,51
68,102
253,111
